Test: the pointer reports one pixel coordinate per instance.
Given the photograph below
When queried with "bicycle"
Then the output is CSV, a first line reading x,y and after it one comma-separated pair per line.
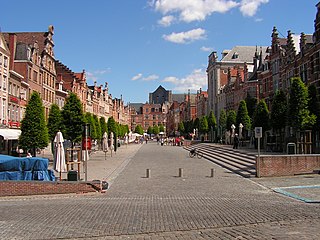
x,y
195,152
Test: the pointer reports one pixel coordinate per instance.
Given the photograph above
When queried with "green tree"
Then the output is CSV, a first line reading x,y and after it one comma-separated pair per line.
x,y
161,128
150,130
278,113
72,119
139,129
103,124
156,129
34,131
212,122
181,128
97,127
299,117
54,121
196,124
243,117
203,126
314,105
223,120
231,119
251,105
261,116
88,118
112,126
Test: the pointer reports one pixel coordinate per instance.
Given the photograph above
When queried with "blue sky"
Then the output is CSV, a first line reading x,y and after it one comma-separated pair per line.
x,y
137,45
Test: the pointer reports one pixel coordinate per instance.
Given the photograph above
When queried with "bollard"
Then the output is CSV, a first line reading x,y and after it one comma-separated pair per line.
x,y
212,172
180,172
147,173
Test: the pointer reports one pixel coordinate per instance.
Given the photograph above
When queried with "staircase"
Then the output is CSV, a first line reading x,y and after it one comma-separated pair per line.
x,y
236,160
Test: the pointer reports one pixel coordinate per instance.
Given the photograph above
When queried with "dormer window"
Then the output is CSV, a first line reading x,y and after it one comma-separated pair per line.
x,y
235,55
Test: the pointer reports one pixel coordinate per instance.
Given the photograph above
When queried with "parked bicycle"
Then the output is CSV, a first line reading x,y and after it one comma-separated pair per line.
x,y
194,152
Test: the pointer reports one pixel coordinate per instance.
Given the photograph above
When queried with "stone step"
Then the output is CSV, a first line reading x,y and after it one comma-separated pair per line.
x,y
231,159
232,153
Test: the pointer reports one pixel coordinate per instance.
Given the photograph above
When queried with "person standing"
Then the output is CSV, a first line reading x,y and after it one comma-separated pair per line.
x,y
236,141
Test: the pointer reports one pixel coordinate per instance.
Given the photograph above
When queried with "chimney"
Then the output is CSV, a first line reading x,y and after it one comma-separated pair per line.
x,y
12,49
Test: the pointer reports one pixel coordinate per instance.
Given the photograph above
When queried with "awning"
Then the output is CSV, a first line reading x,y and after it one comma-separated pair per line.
x,y
10,134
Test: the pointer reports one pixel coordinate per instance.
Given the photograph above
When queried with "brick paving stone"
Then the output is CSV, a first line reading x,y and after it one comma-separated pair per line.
x,y
163,206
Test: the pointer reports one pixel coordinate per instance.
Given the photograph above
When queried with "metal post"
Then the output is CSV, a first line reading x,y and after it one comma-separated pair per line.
x,y
86,154
258,162
212,172
180,172
148,173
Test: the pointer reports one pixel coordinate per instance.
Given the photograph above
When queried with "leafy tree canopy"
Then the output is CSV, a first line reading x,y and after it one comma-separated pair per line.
x,y
243,116
161,128
181,127
72,118
223,120
139,129
212,122
54,121
97,127
88,118
261,116
103,124
314,105
299,116
231,118
34,131
150,130
278,113
156,129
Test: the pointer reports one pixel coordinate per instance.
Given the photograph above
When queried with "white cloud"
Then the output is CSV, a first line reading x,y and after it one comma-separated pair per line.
x,y
258,19
185,37
250,7
139,76
166,21
194,81
199,10
97,74
193,10
150,77
206,49
136,77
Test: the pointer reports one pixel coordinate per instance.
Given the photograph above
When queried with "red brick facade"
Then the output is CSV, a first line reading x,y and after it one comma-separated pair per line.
x,y
287,165
23,188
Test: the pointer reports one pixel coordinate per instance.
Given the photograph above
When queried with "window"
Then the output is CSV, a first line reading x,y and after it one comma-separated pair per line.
x,y
35,76
4,82
1,59
5,63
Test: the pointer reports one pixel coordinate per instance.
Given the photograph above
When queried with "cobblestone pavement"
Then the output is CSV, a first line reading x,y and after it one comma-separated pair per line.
x,y
164,206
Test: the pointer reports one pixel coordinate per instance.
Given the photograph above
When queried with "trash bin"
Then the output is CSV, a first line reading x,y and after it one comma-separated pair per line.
x,y
291,148
73,175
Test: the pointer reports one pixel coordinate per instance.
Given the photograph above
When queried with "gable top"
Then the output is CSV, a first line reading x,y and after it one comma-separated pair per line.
x,y
160,88
241,54
30,38
3,44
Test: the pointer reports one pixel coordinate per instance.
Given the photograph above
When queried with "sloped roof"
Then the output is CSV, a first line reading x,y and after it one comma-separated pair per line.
x,y
244,53
137,106
30,38
178,97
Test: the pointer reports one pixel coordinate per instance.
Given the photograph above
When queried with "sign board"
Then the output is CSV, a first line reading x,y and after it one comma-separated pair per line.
x,y
258,132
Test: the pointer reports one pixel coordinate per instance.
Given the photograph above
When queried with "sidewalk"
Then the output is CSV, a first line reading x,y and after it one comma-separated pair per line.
x,y
101,166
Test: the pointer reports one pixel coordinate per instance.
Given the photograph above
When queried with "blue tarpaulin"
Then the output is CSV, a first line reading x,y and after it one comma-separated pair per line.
x,y
23,168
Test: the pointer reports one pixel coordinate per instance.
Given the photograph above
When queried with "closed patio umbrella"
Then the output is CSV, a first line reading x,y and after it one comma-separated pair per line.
x,y
105,144
111,142
59,155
